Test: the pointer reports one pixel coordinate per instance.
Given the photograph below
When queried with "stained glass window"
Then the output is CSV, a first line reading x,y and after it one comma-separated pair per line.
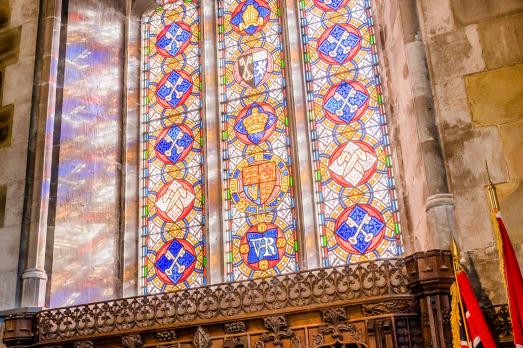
x,y
355,195
260,225
356,208
173,184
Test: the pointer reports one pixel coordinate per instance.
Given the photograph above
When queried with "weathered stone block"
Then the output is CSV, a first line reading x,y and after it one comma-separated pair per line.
x,y
6,125
438,16
485,276
496,97
4,13
456,53
452,103
467,149
511,200
9,43
502,41
473,219
512,138
472,11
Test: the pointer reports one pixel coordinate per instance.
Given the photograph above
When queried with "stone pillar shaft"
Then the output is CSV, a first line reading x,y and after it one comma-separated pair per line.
x,y
38,187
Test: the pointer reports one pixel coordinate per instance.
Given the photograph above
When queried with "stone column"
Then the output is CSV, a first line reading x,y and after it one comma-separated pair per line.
x,y
439,204
40,158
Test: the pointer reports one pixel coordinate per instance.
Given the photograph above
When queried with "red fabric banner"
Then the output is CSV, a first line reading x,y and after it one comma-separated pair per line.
x,y
479,332
514,282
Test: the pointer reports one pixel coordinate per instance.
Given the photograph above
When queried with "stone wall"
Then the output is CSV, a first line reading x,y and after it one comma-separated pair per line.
x,y
475,55
18,26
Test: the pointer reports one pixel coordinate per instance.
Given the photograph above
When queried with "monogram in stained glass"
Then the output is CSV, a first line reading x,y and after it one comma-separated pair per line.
x,y
172,235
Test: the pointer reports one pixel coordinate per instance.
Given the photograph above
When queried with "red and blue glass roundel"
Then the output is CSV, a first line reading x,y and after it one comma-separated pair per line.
x,y
175,261
173,39
255,123
339,44
174,89
250,16
174,143
353,163
262,246
360,229
346,102
175,200
330,5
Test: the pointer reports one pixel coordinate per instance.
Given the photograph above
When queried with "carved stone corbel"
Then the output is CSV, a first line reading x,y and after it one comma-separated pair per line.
x,y
132,341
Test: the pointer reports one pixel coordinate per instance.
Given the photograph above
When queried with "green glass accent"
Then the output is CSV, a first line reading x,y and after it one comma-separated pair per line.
x,y
204,261
318,175
372,40
291,181
388,161
282,63
221,28
147,50
225,135
203,199
380,99
227,194
323,241
296,245
230,257
278,12
224,79
396,228
146,154
307,57
286,121
146,210
147,100
302,4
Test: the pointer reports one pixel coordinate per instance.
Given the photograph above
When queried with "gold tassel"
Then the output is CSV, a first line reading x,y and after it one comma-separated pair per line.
x,y
455,319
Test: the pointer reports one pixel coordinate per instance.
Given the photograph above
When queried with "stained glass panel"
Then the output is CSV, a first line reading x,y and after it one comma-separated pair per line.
x,y
355,195
173,240
260,226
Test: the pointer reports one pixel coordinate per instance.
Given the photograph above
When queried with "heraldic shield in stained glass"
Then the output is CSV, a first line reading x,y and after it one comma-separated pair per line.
x,y
259,207
355,194
172,234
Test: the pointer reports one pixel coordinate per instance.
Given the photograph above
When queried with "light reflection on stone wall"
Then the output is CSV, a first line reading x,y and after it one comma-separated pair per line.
x,y
85,265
